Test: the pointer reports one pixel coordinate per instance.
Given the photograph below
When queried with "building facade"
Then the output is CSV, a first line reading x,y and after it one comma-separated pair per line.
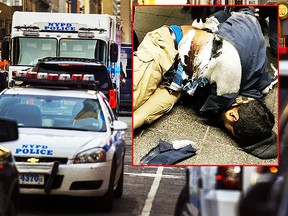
x,y
5,20
122,9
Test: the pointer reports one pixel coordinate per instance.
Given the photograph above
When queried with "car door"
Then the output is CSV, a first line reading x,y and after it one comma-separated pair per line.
x,y
117,138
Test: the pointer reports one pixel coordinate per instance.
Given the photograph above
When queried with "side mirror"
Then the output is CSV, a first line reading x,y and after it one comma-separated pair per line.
x,y
113,52
5,50
8,130
119,125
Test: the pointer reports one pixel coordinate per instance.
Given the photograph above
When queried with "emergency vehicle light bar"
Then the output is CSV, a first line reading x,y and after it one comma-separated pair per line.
x,y
29,30
86,34
83,81
101,30
59,59
26,27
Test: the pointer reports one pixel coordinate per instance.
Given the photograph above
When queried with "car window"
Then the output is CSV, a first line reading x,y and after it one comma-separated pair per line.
x,y
83,48
112,117
30,50
53,112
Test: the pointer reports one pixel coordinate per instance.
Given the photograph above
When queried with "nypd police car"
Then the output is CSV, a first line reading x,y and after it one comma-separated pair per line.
x,y
70,142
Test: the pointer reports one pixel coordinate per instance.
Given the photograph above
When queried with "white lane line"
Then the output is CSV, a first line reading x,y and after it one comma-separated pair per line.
x,y
154,175
149,201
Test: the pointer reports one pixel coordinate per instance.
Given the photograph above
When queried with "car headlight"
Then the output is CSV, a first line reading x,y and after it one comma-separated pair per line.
x,y
4,153
94,155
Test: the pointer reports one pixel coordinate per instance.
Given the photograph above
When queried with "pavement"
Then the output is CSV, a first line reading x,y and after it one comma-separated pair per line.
x,y
214,146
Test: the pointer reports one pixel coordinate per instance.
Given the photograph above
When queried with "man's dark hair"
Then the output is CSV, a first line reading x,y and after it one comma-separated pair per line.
x,y
255,122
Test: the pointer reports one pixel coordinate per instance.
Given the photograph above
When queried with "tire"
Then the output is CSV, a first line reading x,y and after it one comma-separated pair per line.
x,y
118,192
107,199
11,211
181,205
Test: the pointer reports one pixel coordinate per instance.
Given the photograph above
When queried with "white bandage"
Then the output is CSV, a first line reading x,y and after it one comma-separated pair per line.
x,y
177,144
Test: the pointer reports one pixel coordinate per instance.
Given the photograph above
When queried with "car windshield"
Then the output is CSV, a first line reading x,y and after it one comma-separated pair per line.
x,y
53,112
27,51
83,48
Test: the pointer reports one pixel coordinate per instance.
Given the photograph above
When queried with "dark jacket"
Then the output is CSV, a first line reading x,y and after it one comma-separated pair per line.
x,y
244,32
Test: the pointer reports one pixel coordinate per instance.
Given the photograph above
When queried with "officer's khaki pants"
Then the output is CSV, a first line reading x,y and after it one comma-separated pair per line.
x,y
159,103
154,57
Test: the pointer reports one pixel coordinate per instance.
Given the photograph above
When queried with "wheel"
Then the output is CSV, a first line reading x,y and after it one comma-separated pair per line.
x,y
10,203
118,192
11,211
182,201
107,199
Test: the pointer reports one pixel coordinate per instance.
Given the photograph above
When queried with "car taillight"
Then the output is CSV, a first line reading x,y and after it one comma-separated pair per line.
x,y
273,169
1,166
112,98
266,169
229,177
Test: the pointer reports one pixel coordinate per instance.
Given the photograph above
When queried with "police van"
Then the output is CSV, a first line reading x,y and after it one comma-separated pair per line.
x,y
36,35
70,142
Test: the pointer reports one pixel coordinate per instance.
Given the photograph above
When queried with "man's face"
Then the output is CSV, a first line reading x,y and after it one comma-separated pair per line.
x,y
230,117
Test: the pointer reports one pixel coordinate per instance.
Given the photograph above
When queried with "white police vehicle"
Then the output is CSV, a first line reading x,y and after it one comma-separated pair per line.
x,y
70,142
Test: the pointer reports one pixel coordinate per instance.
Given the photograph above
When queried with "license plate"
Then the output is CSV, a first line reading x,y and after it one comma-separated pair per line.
x,y
31,179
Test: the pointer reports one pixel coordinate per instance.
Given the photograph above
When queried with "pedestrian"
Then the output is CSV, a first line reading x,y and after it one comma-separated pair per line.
x,y
229,79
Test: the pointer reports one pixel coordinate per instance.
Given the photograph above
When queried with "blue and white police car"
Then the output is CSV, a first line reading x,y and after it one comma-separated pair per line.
x,y
70,142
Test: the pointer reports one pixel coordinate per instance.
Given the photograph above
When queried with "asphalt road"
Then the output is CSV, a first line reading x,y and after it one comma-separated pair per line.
x,y
147,191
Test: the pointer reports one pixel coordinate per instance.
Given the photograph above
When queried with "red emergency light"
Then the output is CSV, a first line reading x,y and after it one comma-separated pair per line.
x,y
77,77
283,50
53,76
112,98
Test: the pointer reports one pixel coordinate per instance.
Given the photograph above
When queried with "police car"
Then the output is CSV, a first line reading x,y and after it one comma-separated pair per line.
x,y
70,142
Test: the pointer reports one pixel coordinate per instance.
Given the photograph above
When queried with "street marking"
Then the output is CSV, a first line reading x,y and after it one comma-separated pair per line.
x,y
206,134
151,195
155,175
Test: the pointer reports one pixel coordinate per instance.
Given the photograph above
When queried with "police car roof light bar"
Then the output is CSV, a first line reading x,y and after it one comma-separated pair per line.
x,y
26,27
86,60
29,30
21,82
101,30
70,80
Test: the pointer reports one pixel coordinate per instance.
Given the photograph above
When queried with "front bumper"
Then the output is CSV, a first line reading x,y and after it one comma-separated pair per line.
x,y
87,180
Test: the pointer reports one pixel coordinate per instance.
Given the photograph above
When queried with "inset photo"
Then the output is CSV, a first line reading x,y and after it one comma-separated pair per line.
x,y
205,85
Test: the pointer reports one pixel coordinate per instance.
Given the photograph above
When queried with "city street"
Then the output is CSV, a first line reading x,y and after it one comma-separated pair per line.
x,y
146,191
